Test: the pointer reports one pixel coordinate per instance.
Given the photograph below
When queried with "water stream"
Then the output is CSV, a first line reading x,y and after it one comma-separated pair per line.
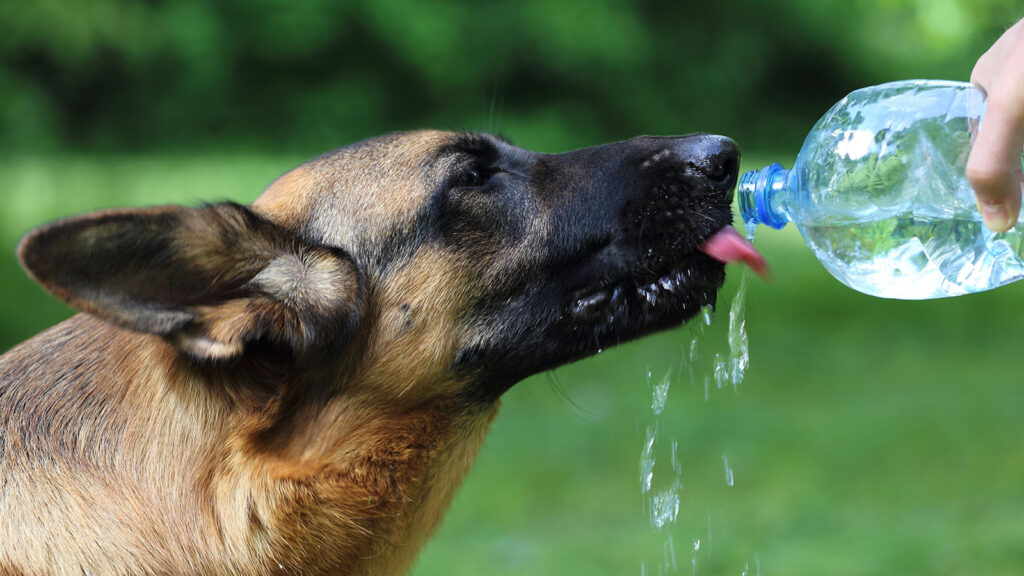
x,y
662,498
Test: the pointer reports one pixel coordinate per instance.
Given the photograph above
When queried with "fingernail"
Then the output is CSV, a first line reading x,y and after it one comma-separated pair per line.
x,y
996,216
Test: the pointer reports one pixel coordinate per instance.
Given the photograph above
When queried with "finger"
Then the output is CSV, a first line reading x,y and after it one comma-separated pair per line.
x,y
994,166
991,61
981,75
993,170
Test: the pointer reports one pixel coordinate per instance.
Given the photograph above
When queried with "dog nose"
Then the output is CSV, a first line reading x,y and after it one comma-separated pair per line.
x,y
716,158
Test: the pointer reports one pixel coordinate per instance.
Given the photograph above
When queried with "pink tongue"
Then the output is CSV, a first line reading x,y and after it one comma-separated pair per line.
x,y
728,246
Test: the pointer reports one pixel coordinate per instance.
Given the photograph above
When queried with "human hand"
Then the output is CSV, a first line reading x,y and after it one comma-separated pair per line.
x,y
994,166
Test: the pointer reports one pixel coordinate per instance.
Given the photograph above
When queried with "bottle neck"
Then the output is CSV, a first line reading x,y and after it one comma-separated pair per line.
x,y
759,195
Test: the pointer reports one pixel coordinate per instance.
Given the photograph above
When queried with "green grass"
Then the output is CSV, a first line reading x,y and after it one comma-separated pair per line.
x,y
869,436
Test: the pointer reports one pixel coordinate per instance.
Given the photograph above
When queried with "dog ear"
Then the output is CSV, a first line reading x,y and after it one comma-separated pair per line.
x,y
209,279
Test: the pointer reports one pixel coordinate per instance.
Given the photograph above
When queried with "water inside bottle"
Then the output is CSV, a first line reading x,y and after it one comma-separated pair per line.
x,y
915,258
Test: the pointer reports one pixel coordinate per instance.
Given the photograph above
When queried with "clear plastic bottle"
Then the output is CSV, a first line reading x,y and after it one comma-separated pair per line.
x,y
880,195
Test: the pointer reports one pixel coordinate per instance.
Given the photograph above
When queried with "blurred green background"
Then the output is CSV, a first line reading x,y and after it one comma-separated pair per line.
x,y
869,437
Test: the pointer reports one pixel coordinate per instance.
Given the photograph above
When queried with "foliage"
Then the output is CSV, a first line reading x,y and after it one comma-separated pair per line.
x,y
310,75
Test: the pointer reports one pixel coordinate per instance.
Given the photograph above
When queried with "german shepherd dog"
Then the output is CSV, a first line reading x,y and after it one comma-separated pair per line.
x,y
299,386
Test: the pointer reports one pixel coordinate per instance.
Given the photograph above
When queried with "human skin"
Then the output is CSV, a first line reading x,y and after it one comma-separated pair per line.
x,y
994,166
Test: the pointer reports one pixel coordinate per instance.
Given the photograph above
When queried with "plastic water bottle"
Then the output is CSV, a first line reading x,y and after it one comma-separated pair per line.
x,y
880,195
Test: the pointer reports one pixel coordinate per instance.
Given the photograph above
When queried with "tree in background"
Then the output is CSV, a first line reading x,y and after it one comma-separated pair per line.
x,y
311,75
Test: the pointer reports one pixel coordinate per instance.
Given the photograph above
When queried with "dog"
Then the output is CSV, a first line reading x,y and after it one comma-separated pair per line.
x,y
299,386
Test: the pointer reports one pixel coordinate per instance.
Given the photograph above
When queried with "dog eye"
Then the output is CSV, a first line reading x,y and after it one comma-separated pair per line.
x,y
471,177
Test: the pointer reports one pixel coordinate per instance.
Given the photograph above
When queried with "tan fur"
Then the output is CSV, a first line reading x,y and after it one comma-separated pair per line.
x,y
358,504
122,454
383,182
432,288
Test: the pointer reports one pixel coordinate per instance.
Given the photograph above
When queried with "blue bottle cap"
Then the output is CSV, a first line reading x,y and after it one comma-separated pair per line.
x,y
755,190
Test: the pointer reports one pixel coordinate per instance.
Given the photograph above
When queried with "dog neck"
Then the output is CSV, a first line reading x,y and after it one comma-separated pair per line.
x,y
224,476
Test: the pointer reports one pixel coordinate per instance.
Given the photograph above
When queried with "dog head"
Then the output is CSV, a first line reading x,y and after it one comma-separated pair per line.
x,y
446,262
491,262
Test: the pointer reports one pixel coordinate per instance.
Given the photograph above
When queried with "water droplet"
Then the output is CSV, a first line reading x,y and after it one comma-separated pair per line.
x,y
728,471
707,315
721,371
617,294
677,466
650,296
739,351
665,506
647,460
660,394
751,230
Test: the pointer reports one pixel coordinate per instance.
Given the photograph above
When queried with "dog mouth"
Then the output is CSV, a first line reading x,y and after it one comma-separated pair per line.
x,y
657,291
644,290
